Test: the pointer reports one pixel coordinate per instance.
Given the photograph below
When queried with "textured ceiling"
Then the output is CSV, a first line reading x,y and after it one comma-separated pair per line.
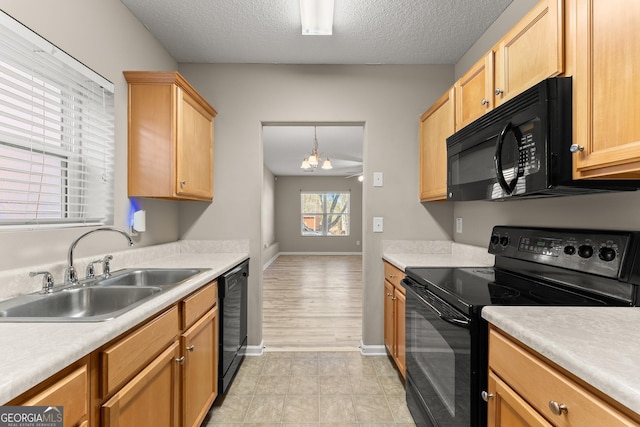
x,y
364,31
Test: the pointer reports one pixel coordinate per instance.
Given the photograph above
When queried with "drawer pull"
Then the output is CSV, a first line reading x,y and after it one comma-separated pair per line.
x,y
558,408
486,396
180,360
191,347
392,276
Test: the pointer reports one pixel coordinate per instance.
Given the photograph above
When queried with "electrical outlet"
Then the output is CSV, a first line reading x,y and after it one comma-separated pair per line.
x,y
377,179
377,224
458,225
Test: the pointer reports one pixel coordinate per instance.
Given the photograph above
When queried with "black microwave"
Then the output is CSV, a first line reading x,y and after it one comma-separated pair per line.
x,y
521,149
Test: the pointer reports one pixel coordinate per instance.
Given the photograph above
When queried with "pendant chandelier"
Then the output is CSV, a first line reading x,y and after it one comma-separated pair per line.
x,y
312,161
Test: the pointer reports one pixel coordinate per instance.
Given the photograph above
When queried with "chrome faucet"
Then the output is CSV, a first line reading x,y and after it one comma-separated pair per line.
x,y
70,274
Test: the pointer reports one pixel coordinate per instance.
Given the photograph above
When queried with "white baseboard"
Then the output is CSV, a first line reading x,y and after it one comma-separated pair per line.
x,y
372,350
255,350
268,263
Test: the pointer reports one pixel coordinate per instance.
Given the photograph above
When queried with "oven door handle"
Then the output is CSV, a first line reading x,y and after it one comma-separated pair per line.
x,y
452,320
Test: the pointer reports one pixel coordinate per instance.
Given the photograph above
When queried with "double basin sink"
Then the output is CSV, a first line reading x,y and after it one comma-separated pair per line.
x,y
97,299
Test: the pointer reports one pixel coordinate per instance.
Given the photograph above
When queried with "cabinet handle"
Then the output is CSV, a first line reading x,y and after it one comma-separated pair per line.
x,y
558,408
484,101
183,183
575,148
180,360
392,276
393,298
191,347
486,396
499,91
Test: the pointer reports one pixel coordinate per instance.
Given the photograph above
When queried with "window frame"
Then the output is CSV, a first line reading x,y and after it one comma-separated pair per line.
x,y
324,228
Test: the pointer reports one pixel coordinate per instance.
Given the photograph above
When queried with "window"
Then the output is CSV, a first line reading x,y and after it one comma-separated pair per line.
x,y
325,213
56,135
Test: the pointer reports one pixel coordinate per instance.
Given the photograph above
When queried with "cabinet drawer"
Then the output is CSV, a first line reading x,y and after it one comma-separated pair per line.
x,y
198,303
122,360
394,275
70,392
539,383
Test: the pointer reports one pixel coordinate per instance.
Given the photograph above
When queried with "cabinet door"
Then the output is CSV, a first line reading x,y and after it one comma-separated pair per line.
x,y
474,92
436,124
389,333
507,409
194,149
531,51
150,399
70,392
606,90
200,375
400,303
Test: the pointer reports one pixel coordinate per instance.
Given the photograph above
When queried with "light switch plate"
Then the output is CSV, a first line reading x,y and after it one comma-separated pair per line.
x,y
377,179
458,225
377,224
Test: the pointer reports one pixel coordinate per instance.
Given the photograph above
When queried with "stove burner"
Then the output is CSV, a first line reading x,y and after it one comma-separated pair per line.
x,y
502,294
557,296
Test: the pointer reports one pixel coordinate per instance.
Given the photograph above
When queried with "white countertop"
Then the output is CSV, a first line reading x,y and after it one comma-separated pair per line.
x,y
408,253
600,345
32,352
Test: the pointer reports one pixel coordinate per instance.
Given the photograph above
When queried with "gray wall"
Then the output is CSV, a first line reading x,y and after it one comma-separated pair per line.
x,y
106,37
615,211
268,208
288,190
388,99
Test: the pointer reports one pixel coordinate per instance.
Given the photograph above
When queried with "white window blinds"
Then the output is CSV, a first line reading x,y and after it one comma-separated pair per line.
x,y
56,135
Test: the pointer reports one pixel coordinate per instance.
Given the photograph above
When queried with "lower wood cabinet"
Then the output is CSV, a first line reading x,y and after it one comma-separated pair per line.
x,y
394,312
69,389
525,390
200,370
150,398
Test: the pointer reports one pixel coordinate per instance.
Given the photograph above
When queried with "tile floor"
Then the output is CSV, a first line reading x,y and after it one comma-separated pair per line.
x,y
306,389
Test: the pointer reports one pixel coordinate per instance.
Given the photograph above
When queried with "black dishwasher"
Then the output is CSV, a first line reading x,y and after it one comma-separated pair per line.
x,y
232,300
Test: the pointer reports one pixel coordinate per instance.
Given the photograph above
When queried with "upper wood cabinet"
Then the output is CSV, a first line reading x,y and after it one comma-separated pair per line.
x,y
474,92
170,138
436,124
530,52
606,88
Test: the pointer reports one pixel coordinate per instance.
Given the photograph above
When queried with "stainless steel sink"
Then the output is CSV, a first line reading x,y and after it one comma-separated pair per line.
x,y
162,277
95,300
82,304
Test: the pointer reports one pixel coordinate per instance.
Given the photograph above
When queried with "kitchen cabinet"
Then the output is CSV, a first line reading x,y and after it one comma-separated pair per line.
x,y
150,398
530,52
199,344
525,389
69,389
474,92
394,312
605,88
170,138
436,124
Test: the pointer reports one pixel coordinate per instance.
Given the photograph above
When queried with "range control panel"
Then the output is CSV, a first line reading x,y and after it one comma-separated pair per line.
x,y
590,251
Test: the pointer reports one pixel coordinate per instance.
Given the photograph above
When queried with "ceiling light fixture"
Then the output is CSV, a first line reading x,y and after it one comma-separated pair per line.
x,y
316,17
312,161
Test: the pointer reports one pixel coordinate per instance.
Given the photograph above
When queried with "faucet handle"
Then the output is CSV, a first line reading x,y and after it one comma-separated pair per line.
x,y
106,265
47,280
91,270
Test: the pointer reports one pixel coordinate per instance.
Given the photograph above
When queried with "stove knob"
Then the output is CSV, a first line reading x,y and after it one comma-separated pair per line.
x,y
495,239
607,254
585,251
569,250
504,241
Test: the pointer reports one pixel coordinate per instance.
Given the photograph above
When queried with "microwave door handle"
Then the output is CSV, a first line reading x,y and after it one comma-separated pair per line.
x,y
507,187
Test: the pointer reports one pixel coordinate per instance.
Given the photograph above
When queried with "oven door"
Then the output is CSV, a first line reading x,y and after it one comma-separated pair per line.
x,y
439,373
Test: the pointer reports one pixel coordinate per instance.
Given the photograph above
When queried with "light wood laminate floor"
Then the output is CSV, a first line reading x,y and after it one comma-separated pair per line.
x,y
313,301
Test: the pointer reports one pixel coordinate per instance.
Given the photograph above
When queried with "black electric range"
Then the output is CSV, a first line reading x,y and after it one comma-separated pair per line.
x,y
447,338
